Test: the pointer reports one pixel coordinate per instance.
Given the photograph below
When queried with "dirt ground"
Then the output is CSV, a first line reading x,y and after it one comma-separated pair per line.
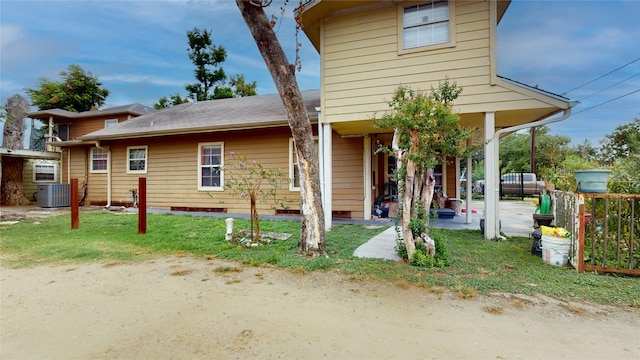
x,y
192,308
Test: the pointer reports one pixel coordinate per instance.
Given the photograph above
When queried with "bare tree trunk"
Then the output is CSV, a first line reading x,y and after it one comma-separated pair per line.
x,y
312,237
13,138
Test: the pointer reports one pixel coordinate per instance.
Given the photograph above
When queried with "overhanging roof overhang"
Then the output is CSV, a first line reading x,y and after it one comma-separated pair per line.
x,y
30,154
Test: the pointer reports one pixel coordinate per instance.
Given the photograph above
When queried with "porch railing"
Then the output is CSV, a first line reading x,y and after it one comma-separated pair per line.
x,y
605,230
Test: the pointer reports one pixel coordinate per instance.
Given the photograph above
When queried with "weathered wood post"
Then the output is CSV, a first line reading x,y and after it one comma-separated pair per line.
x,y
142,205
75,220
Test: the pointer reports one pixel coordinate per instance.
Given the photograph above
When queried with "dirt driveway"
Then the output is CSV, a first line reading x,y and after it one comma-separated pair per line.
x,y
190,308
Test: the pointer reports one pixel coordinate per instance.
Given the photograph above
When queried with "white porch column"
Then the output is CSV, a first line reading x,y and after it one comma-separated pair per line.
x,y
458,173
366,158
491,189
50,133
469,185
327,138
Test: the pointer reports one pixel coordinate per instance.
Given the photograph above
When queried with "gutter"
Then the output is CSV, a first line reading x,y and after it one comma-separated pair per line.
x,y
496,138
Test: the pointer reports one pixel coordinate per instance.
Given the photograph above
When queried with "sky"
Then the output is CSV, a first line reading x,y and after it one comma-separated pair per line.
x,y
588,51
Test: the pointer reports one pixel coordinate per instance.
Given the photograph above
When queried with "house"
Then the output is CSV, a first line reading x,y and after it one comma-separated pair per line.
x,y
63,127
367,49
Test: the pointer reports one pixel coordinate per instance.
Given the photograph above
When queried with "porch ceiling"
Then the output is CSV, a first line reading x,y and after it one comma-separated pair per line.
x,y
503,119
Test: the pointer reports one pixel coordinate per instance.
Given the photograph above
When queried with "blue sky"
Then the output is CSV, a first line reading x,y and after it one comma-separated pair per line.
x,y
138,50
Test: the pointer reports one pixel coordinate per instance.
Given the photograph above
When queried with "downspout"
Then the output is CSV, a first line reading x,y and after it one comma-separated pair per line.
x,y
496,143
108,205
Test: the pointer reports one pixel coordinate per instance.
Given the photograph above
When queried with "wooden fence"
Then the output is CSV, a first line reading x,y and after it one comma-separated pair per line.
x,y
605,230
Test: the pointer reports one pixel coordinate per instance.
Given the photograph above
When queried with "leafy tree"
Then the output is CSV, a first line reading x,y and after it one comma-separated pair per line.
x,y
12,192
312,235
212,80
165,102
207,59
515,150
240,87
426,130
622,143
78,91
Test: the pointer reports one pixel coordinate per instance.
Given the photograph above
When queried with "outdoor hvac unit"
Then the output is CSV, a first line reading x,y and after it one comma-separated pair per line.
x,y
54,195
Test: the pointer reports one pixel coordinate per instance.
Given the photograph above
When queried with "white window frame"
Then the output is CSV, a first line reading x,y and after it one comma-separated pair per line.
x,y
201,167
110,122
145,159
48,165
428,46
93,170
293,163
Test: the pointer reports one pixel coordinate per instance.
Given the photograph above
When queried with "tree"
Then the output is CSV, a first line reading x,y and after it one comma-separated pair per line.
x,y
622,143
212,80
165,102
312,236
13,138
255,181
240,87
77,91
207,58
425,131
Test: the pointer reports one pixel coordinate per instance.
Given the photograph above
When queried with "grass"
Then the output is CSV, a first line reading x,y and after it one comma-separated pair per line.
x,y
477,266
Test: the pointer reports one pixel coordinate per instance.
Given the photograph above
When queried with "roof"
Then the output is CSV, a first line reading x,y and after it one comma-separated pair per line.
x,y
133,109
250,112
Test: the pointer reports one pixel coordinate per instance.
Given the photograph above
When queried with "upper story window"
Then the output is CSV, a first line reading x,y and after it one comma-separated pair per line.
x,y
110,123
99,160
43,172
210,166
137,159
426,24
62,131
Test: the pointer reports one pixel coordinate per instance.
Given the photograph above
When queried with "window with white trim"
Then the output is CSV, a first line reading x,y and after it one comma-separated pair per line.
x,y
426,24
211,166
99,160
44,172
137,159
110,122
294,168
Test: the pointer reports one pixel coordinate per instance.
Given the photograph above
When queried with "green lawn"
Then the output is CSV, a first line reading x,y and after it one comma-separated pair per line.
x,y
477,266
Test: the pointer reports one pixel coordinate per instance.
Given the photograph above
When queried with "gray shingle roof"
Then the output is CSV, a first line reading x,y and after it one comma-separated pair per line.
x,y
134,109
205,116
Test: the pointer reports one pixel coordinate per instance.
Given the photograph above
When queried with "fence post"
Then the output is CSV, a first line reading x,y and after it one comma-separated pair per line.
x,y
75,220
142,205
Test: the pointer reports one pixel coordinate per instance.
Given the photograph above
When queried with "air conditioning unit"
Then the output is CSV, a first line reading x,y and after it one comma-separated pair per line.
x,y
54,195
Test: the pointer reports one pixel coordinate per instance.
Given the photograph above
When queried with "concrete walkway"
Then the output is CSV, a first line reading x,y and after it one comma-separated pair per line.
x,y
516,218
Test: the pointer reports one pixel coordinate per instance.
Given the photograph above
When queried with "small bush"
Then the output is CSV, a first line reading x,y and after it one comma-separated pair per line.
x,y
420,259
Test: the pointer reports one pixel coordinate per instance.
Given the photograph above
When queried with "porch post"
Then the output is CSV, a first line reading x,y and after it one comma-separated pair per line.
x,y
327,138
366,158
469,186
491,189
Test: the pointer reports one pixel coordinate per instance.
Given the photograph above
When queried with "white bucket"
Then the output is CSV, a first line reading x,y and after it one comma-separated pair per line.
x,y
555,250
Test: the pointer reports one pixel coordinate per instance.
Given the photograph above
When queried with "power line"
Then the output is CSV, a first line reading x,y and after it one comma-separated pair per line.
x,y
606,102
609,87
598,78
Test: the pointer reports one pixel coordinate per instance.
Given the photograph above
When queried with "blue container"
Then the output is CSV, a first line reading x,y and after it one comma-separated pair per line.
x,y
592,181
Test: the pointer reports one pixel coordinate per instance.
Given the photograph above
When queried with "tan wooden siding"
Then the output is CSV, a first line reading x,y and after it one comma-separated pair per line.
x,y
348,177
27,179
79,127
172,170
362,66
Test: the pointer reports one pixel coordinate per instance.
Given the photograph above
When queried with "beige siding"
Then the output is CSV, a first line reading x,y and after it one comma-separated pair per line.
x,y
172,170
348,176
363,66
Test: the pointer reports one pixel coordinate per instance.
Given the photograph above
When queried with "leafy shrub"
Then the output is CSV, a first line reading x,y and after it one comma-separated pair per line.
x,y
420,259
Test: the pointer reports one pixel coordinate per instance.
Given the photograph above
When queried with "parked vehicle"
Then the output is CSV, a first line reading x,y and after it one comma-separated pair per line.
x,y
514,184
520,184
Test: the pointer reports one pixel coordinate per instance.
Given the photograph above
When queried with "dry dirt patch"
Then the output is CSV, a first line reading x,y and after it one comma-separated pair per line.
x,y
143,310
